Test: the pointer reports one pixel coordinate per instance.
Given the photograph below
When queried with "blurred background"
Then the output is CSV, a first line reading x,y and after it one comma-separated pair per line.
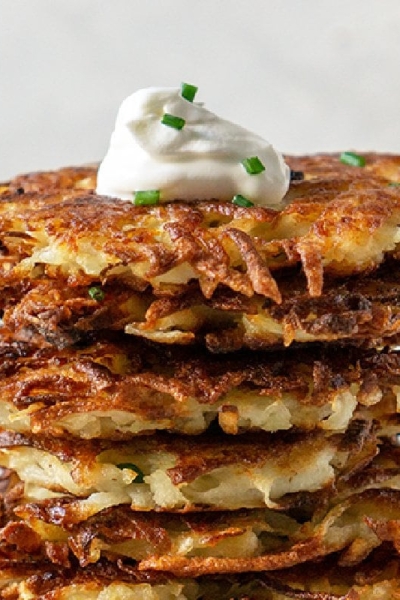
x,y
309,76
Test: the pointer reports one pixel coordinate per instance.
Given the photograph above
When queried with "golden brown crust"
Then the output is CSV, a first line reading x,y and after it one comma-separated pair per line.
x,y
46,581
66,178
181,474
193,456
133,387
194,545
326,580
358,310
310,550
322,230
322,270
328,165
187,265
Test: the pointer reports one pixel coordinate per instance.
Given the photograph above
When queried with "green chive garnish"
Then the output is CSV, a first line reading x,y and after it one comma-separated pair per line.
x,y
253,165
188,91
146,197
394,184
240,200
172,121
96,293
352,159
139,473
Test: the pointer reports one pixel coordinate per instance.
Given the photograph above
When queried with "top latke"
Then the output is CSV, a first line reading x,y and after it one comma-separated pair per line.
x,y
338,225
339,222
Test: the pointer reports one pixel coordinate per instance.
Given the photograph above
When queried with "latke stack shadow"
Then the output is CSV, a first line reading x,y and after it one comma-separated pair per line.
x,y
201,401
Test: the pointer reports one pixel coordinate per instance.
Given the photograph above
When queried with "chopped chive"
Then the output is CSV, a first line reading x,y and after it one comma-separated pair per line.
x,y
146,197
188,91
139,473
96,293
172,121
352,159
253,165
240,200
394,184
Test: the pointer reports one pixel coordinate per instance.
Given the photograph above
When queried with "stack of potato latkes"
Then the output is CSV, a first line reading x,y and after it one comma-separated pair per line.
x,y
201,401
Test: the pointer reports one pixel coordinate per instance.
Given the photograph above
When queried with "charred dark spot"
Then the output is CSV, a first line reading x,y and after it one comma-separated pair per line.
x,y
296,175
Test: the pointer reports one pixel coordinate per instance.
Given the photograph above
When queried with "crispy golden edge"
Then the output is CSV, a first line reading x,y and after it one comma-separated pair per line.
x,y
325,165
323,228
293,543
322,581
358,310
116,531
156,383
67,178
198,455
363,494
192,458
44,579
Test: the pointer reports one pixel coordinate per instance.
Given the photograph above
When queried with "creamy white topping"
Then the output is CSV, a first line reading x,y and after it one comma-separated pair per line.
x,y
201,161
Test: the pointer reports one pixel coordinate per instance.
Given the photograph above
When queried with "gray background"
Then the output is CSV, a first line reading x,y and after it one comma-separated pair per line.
x,y
309,75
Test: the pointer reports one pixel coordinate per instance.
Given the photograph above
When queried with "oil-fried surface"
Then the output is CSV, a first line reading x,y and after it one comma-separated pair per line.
x,y
235,278
123,387
324,165
198,544
67,178
170,272
378,577
22,578
338,229
356,310
357,513
173,473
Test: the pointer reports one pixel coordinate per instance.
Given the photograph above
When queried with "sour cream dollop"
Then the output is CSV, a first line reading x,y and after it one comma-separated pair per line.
x,y
201,161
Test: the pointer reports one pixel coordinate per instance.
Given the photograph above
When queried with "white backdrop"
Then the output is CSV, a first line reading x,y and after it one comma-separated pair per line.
x,y
309,75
